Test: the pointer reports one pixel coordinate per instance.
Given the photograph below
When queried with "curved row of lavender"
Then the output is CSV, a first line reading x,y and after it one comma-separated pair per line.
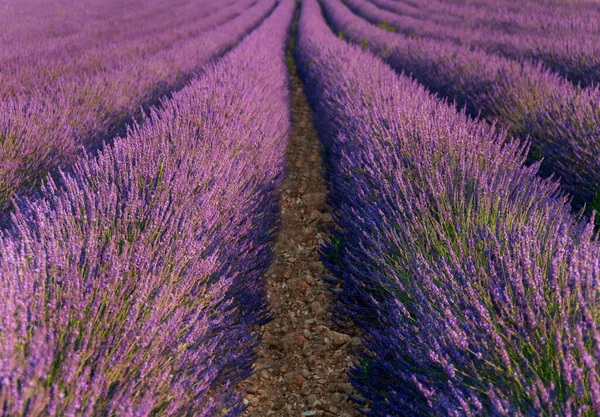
x,y
475,288
36,25
525,17
133,287
561,121
63,25
41,132
74,60
575,55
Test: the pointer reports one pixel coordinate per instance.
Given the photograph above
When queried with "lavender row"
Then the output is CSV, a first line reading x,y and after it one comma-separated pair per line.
x,y
134,286
534,18
76,60
475,289
574,55
35,26
561,121
39,133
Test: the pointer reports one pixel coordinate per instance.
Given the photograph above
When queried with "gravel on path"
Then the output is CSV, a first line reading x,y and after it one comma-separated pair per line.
x,y
303,360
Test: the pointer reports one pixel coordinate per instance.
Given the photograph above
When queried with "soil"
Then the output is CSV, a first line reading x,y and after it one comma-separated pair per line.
x,y
303,359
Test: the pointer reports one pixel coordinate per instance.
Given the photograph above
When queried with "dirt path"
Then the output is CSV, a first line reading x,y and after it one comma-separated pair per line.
x,y
302,363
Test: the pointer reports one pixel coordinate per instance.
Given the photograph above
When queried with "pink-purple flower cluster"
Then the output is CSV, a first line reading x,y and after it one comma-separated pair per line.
x,y
81,95
133,285
561,121
501,16
564,36
103,36
475,287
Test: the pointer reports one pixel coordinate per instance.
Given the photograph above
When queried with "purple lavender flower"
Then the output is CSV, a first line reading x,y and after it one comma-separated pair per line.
x,y
134,285
473,284
76,98
561,121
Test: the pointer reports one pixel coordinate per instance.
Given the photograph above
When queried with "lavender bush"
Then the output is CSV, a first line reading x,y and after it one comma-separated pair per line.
x,y
131,287
561,121
475,288
567,42
102,47
555,19
45,130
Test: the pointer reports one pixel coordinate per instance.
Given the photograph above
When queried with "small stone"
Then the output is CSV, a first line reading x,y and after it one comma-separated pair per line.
x,y
323,406
267,337
300,289
316,267
320,313
310,413
327,218
291,260
295,379
315,215
293,340
324,330
300,340
339,339
355,341
245,401
336,398
305,373
314,199
333,409
315,306
309,321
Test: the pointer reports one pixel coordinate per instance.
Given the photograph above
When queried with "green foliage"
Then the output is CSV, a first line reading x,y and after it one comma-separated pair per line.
x,y
292,40
386,26
595,205
536,153
365,364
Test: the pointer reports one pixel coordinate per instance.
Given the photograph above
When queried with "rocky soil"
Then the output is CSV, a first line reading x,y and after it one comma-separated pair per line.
x,y
303,360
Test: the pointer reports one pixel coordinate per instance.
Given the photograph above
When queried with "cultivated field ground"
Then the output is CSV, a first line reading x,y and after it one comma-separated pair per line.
x,y
296,208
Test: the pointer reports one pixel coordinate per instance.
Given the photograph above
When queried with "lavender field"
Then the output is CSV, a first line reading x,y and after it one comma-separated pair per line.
x,y
299,208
